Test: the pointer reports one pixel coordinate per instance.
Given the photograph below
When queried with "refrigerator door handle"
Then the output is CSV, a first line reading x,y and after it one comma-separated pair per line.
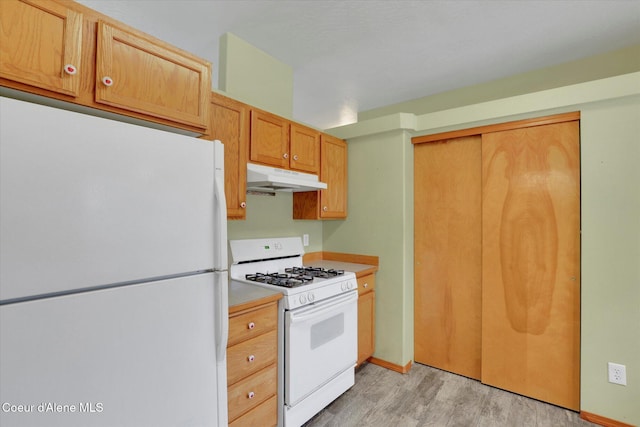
x,y
220,209
222,315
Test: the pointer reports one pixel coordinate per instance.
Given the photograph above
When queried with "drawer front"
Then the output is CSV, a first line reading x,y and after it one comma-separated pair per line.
x,y
265,414
252,324
366,284
252,391
250,356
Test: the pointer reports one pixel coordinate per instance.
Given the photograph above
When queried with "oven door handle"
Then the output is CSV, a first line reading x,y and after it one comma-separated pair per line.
x,y
323,307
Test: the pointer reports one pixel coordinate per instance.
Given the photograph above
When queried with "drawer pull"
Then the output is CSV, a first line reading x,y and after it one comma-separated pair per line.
x,y
251,395
251,325
251,358
365,285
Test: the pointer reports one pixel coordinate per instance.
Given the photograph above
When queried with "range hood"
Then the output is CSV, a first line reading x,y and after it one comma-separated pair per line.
x,y
270,179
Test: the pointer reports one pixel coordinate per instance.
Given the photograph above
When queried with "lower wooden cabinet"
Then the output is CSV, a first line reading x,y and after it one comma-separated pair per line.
x,y
252,366
366,317
265,414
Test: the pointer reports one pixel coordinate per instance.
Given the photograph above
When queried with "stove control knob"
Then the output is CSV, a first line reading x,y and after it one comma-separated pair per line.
x,y
303,299
343,286
350,284
311,297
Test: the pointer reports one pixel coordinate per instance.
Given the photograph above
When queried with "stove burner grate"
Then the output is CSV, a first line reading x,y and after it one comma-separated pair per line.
x,y
315,271
280,279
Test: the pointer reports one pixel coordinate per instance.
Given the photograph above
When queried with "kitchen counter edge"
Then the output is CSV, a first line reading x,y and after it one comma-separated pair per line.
x,y
361,265
243,296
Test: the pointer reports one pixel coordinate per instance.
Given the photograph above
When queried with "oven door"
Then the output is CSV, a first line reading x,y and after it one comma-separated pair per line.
x,y
321,342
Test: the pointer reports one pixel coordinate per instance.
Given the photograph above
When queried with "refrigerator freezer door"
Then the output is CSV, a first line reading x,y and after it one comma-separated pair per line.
x,y
141,355
86,201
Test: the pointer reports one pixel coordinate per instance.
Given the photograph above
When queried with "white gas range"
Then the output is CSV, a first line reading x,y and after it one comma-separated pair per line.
x,y
318,323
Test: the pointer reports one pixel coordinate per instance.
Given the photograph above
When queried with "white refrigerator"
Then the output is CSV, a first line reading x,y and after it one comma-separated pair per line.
x,y
113,281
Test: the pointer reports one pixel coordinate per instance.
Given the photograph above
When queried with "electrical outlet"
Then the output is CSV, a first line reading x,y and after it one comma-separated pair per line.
x,y
617,373
305,240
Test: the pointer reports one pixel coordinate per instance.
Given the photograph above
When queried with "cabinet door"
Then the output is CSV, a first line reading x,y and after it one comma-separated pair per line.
x,y
366,325
333,171
38,42
230,124
151,77
448,250
366,317
305,149
269,139
531,262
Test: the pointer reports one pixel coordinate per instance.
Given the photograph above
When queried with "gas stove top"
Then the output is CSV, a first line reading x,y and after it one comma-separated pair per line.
x,y
293,276
277,264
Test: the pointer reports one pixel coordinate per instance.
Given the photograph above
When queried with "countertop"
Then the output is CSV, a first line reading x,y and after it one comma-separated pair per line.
x,y
243,296
360,269
362,265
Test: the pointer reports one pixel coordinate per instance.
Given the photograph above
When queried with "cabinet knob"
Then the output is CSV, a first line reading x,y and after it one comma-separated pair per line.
x,y
295,157
70,69
243,205
251,358
285,155
251,325
325,208
251,395
365,285
107,81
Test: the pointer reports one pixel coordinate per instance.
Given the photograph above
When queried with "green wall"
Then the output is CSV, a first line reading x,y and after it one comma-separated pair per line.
x,y
609,64
251,76
379,223
610,151
610,148
271,216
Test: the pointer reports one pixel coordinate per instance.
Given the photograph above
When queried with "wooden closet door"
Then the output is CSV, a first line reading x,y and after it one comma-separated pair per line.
x,y
447,262
531,262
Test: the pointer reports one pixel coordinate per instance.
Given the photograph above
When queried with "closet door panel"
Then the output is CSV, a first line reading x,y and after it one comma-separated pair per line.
x,y
447,263
531,262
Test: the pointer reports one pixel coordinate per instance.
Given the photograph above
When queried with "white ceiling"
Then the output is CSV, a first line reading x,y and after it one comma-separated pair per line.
x,y
356,55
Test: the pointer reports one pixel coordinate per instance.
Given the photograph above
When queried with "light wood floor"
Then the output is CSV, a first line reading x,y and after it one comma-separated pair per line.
x,y
431,397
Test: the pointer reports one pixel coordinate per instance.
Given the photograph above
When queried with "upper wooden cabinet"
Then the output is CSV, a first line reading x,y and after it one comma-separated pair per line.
x,y
277,142
41,44
151,77
304,149
230,124
333,171
269,139
63,50
332,202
